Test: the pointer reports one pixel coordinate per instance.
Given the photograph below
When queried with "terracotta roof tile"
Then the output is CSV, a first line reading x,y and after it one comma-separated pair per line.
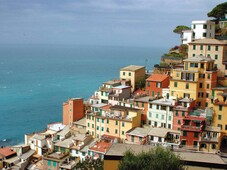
x,y
157,77
6,152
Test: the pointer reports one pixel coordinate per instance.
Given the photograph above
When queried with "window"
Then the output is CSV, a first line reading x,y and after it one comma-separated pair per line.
x,y
184,133
205,26
207,95
162,117
213,146
157,116
159,94
178,122
176,112
200,85
123,124
54,164
220,107
142,104
195,143
148,84
187,86
169,126
159,139
107,121
137,104
204,34
115,131
102,120
193,55
49,163
196,134
97,119
150,106
183,114
169,118
208,76
225,127
132,138
216,57
216,48
203,145
123,133
123,73
107,129
152,93
116,123
201,47
215,66
219,117
194,47
158,107
194,26
206,104
208,86
129,74
208,47
219,125
102,129
92,125
150,114
175,84
97,127
183,142
158,85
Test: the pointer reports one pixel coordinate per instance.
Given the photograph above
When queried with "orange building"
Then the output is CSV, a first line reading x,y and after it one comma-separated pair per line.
x,y
73,110
155,83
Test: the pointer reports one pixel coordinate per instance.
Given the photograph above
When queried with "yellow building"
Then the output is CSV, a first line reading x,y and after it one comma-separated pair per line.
x,y
133,73
219,104
113,121
195,80
213,48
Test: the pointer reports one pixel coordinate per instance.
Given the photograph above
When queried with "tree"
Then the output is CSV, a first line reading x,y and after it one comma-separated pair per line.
x,y
157,158
90,164
180,28
219,11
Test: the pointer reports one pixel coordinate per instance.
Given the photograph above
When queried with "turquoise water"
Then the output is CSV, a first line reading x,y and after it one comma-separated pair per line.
x,y
36,79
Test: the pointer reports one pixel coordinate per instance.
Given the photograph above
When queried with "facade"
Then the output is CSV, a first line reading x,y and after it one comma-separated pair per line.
x,y
160,113
142,103
186,36
133,73
195,81
119,93
137,136
155,83
191,130
73,110
181,110
116,121
203,29
213,48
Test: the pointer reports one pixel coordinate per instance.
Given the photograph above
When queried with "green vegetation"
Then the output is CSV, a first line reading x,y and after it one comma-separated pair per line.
x,y
88,164
180,28
140,84
157,158
219,11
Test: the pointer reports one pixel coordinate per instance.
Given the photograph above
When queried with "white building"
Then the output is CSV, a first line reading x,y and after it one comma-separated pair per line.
x,y
160,113
203,29
199,30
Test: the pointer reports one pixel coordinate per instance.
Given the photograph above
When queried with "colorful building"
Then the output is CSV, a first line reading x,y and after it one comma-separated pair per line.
x,y
155,83
160,113
115,121
213,48
119,93
195,81
181,110
133,73
137,136
73,110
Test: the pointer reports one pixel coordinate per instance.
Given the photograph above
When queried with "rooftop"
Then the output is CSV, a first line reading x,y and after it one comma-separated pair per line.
x,y
212,129
27,154
143,99
157,77
210,41
67,143
139,131
39,137
117,107
99,105
81,122
64,131
112,82
199,58
121,87
101,147
132,68
56,126
6,151
161,132
166,102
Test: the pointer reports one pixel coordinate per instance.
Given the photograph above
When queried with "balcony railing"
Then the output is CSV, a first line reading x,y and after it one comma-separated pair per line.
x,y
190,128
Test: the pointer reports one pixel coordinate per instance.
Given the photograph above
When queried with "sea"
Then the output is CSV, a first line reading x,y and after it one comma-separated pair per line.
x,y
35,80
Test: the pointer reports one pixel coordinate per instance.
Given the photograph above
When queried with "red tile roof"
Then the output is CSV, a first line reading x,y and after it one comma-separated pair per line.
x,y
4,152
102,147
157,77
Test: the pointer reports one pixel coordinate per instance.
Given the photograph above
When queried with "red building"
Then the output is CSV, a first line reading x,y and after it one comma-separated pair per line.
x,y
191,131
181,110
73,110
155,83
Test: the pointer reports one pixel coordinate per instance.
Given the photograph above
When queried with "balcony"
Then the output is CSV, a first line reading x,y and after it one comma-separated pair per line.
x,y
209,139
191,128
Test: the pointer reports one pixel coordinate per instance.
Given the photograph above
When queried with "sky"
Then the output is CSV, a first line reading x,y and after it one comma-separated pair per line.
x,y
99,22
